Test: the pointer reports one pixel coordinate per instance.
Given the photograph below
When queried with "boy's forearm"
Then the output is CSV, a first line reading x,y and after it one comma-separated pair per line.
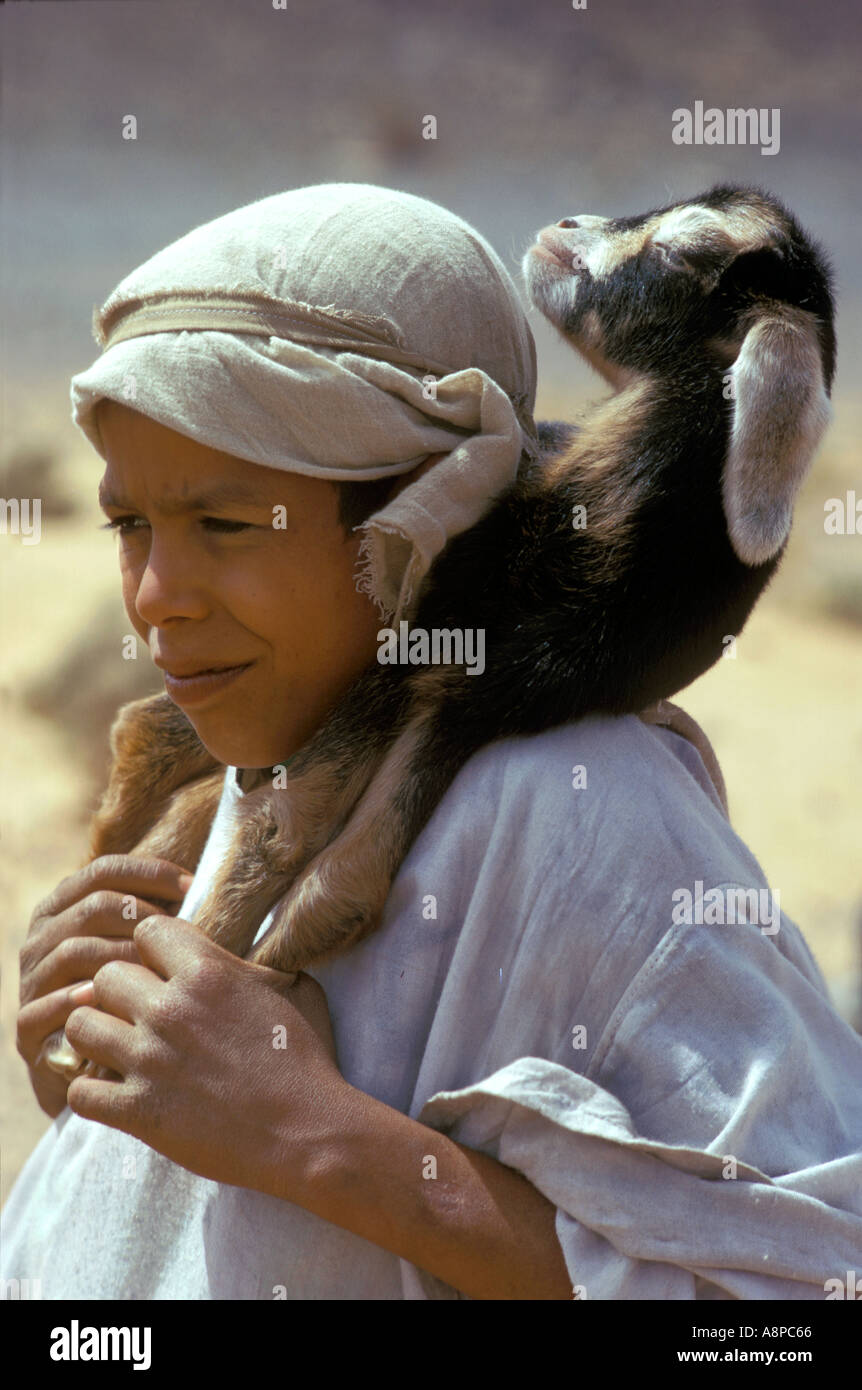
x,y
478,1225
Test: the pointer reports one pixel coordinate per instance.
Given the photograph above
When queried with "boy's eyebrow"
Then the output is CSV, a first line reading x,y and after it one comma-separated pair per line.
x,y
219,495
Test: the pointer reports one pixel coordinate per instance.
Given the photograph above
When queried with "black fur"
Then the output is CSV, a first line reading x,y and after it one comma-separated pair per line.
x,y
615,616
576,625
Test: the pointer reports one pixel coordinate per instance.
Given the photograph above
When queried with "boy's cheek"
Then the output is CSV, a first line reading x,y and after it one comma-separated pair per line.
x,y
130,593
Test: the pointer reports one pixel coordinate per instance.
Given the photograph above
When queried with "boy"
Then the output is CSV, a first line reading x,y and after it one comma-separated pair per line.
x,y
633,1106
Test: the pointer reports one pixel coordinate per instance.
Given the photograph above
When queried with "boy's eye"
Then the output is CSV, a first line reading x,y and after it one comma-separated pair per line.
x,y
127,524
123,524
217,523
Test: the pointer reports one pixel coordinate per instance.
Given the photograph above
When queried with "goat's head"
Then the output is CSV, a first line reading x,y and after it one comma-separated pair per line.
x,y
725,283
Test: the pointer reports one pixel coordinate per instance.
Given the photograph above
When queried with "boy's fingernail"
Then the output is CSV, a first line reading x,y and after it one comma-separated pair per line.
x,y
80,990
186,881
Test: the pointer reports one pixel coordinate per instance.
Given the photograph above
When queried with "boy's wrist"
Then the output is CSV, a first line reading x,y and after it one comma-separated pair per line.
x,y
314,1175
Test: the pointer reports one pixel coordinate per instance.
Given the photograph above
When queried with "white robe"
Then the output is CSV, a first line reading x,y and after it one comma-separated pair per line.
x,y
554,1015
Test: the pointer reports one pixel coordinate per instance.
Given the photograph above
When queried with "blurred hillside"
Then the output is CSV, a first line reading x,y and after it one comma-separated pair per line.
x,y
542,111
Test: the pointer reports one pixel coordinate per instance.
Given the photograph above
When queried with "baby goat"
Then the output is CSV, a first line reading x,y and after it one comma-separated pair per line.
x,y
713,321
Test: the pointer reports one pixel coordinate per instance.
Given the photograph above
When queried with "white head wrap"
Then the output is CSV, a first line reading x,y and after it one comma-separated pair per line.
x,y
341,331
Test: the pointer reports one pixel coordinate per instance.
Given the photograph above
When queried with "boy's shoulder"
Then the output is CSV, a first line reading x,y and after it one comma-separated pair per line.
x,y
604,767
605,824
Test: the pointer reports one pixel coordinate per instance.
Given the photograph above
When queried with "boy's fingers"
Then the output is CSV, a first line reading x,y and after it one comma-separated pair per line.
x,y
122,873
37,1022
104,913
75,959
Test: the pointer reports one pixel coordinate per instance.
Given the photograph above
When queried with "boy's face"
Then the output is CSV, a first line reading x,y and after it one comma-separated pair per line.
x,y
209,581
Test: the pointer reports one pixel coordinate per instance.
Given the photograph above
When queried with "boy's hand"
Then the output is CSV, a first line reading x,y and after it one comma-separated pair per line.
x,y
225,1067
87,921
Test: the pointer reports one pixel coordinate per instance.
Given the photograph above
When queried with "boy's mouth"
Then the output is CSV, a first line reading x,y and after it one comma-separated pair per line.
x,y
177,673
193,686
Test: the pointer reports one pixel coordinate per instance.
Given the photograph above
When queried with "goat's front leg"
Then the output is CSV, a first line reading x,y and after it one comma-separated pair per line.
x,y
279,829
340,897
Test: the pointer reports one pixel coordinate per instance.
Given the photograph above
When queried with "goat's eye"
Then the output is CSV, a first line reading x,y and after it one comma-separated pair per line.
x,y
668,254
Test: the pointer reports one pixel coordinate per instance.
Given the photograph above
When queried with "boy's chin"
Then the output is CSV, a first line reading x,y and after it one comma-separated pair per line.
x,y
235,748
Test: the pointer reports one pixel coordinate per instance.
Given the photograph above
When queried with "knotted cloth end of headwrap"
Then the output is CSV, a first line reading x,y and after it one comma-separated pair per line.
x,y
377,561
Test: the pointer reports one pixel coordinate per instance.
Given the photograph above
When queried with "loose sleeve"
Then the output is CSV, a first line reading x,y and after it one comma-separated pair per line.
x,y
681,1090
714,1150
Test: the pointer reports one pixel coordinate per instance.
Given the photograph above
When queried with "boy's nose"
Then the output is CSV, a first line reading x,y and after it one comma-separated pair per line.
x,y
169,587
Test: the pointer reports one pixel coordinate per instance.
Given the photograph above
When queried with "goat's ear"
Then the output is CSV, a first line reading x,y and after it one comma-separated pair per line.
x,y
779,415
